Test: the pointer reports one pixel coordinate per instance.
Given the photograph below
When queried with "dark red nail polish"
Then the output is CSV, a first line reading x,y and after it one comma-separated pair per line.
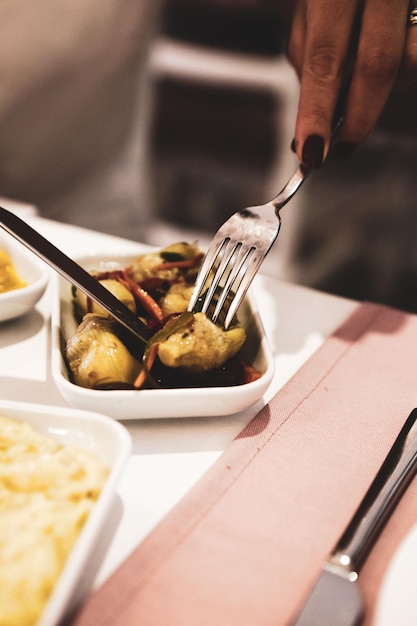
x,y
293,146
313,151
344,149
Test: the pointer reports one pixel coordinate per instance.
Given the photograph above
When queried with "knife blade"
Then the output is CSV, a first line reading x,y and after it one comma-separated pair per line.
x,y
336,598
73,272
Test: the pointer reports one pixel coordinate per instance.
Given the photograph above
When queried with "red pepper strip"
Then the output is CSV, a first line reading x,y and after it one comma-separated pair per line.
x,y
250,373
153,283
151,356
143,297
186,264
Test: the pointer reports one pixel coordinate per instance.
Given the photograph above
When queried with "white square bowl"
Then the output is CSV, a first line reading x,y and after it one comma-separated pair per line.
x,y
111,443
157,403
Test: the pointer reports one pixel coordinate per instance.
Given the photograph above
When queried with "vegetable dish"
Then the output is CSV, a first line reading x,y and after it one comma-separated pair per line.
x,y
184,349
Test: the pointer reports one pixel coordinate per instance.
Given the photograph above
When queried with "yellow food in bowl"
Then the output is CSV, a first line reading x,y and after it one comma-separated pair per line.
x,y
9,279
46,494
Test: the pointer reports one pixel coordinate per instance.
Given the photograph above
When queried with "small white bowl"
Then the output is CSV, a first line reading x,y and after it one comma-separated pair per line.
x,y
157,403
31,270
111,442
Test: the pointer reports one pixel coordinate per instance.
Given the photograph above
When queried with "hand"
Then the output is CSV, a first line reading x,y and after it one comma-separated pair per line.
x,y
352,53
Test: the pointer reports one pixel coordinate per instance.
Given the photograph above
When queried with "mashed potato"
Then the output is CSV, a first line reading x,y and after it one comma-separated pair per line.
x,y
9,280
46,494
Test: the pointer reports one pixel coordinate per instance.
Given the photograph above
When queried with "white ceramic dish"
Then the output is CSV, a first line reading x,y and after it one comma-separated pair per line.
x,y
31,270
397,599
161,403
111,442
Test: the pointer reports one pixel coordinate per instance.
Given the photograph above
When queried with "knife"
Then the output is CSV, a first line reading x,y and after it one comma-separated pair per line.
x,y
336,599
73,272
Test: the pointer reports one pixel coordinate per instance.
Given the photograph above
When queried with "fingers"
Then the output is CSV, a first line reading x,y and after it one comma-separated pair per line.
x,y
360,41
399,114
379,53
407,75
328,29
295,50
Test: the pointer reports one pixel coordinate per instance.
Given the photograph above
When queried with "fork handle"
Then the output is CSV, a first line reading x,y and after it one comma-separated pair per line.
x,y
302,172
290,188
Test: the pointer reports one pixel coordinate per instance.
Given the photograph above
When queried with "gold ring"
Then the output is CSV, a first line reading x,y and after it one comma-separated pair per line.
x,y
412,17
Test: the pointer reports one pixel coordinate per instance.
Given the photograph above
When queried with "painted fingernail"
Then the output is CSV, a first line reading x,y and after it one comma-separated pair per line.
x,y
313,150
344,149
293,148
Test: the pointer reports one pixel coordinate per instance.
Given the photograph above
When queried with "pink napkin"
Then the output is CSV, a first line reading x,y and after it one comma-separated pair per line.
x,y
246,544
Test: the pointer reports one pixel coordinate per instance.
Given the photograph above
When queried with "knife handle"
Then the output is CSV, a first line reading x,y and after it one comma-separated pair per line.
x,y
386,490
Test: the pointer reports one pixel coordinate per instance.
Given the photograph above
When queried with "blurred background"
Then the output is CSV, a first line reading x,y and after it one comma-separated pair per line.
x,y
157,121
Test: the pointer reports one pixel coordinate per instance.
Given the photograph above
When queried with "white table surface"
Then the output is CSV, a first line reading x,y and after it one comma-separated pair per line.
x,y
169,455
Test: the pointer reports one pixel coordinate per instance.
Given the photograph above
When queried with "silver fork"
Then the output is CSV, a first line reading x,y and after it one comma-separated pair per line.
x,y
237,251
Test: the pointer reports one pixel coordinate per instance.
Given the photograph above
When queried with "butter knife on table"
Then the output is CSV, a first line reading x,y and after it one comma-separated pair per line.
x,y
336,598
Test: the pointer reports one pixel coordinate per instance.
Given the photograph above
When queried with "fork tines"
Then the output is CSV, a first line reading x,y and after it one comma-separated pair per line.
x,y
231,262
236,252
